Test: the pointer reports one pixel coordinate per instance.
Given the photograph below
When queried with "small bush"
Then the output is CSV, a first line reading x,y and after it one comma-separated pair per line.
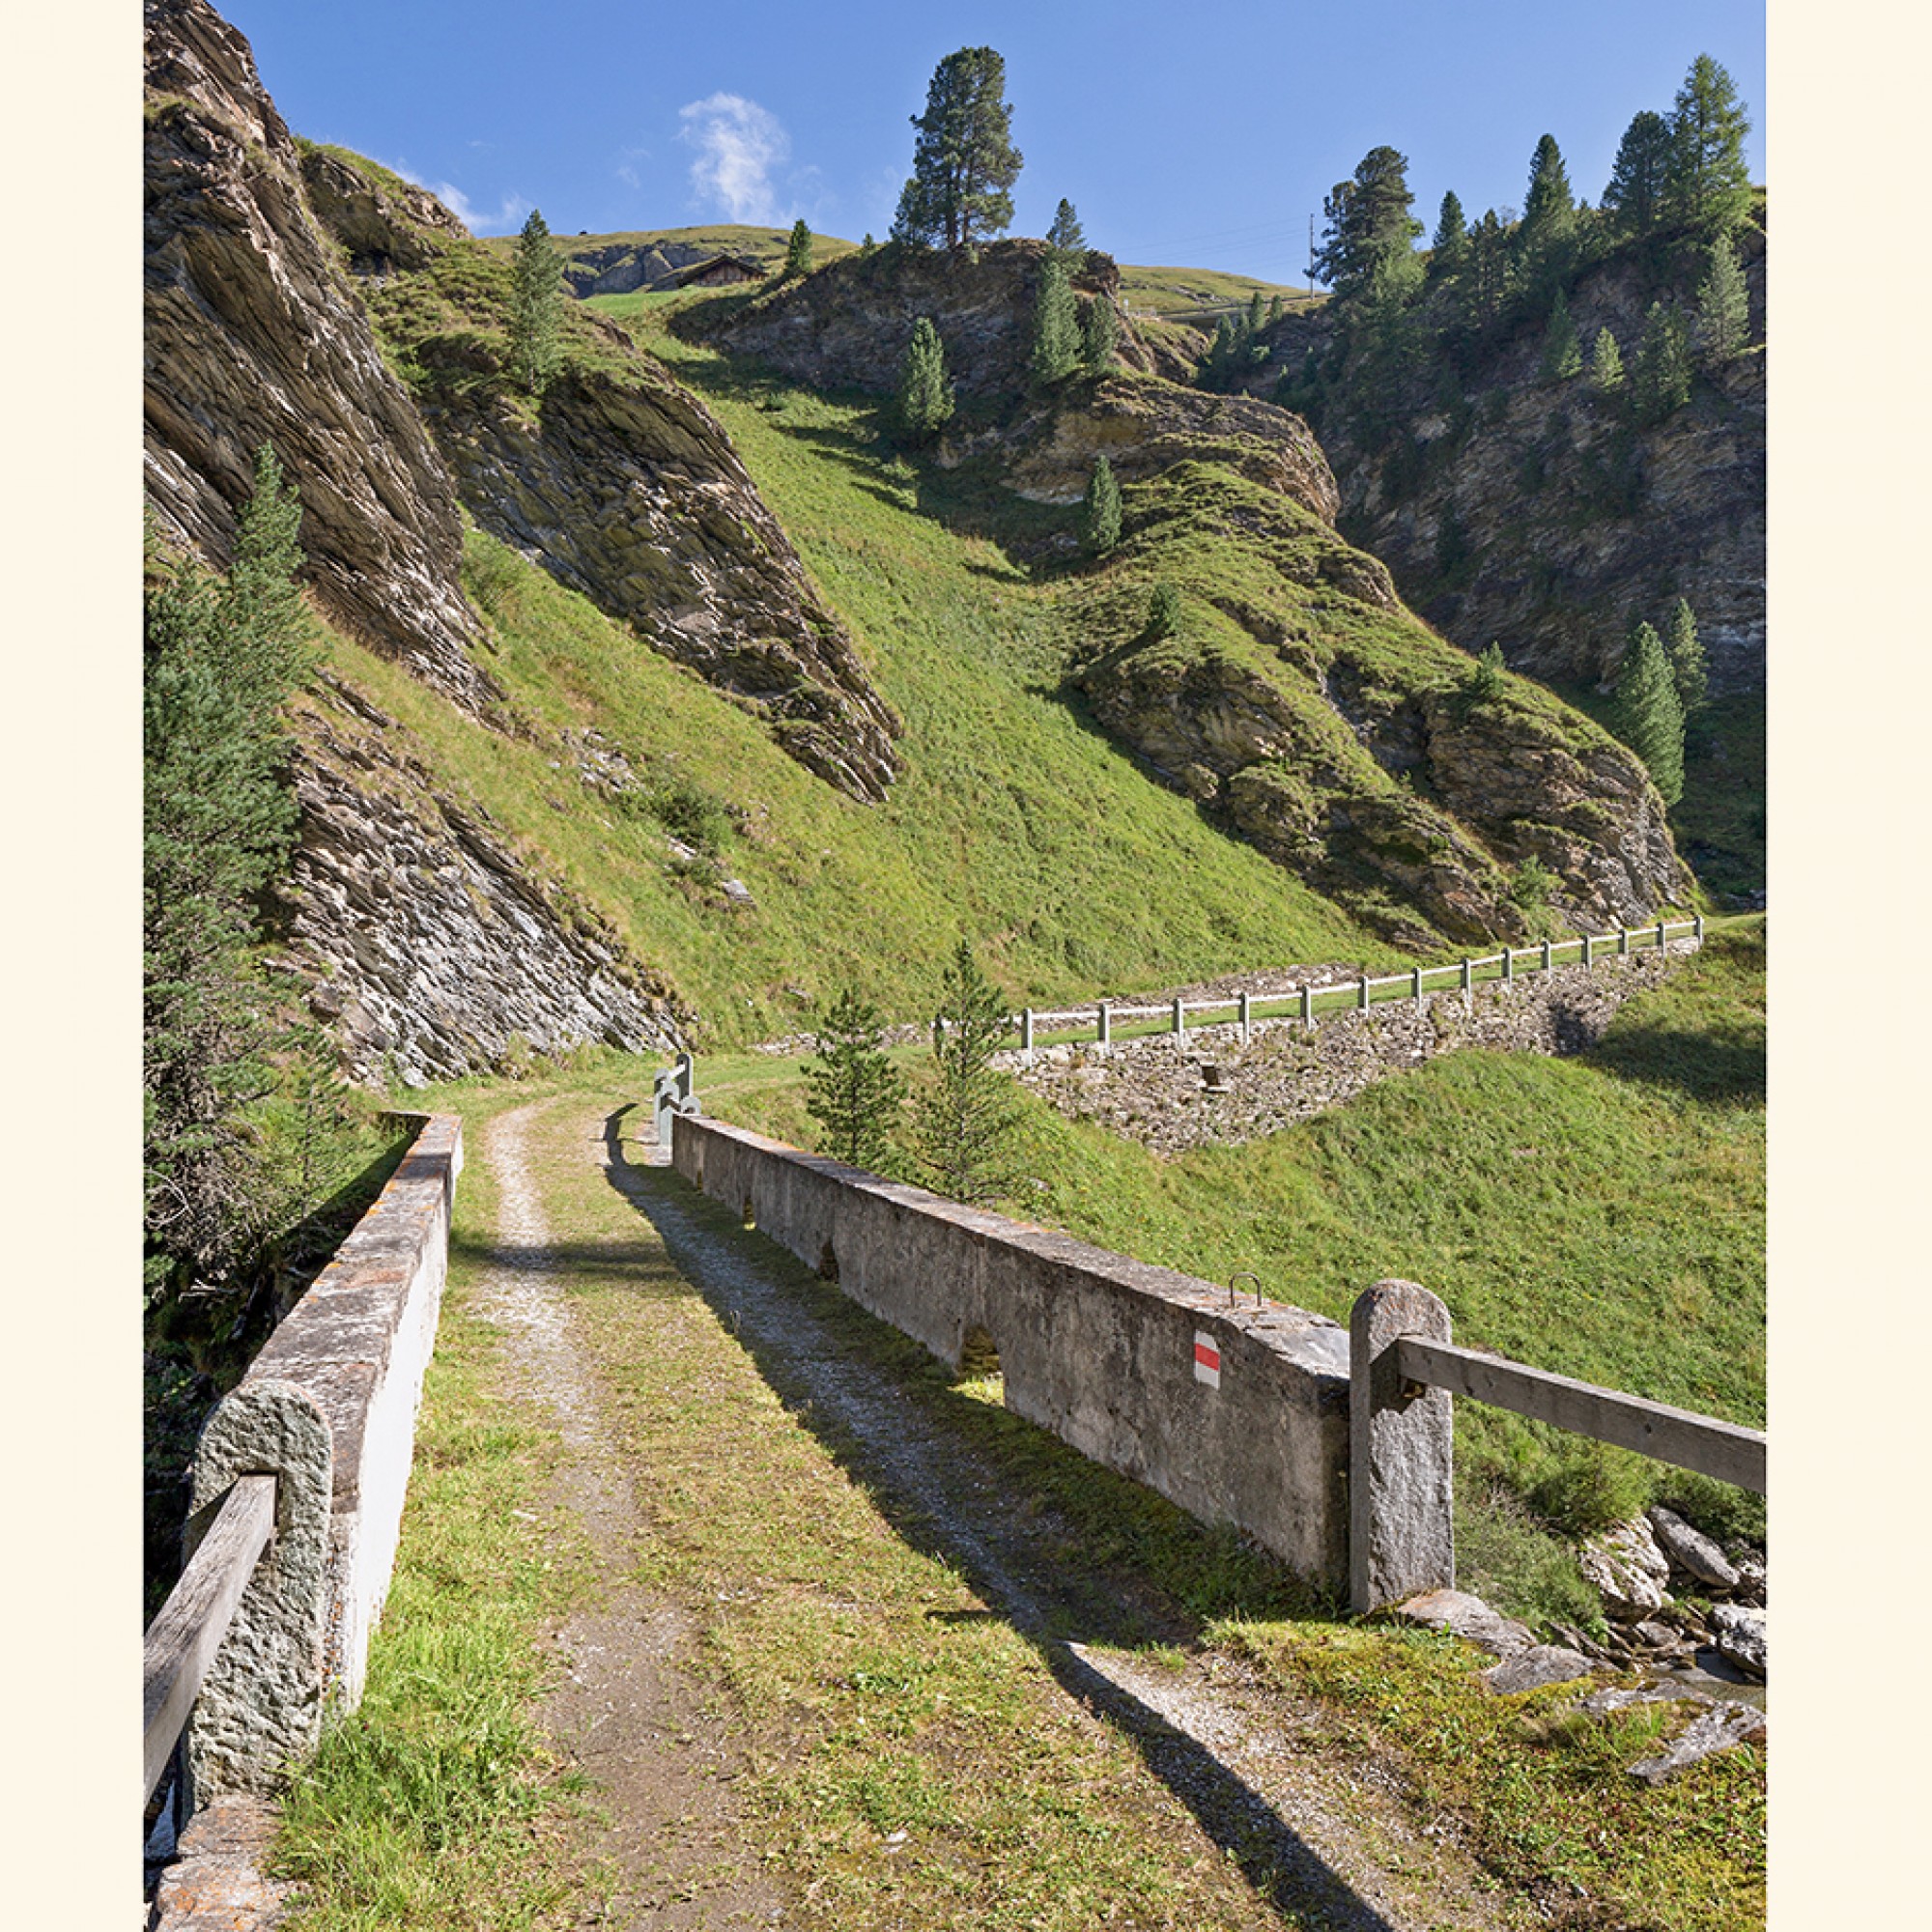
x,y
1593,1487
689,812
1163,612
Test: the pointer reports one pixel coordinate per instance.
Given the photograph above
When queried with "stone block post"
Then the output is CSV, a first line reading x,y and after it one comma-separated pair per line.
x,y
1362,994
1179,1025
1026,1035
1509,963
1623,941
1546,961
1416,983
1469,984
1402,1537
1247,1019
1308,1008
1697,928
1587,950
1659,936
1106,1030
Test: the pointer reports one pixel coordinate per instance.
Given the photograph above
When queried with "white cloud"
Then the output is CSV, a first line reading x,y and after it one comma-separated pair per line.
x,y
479,220
738,144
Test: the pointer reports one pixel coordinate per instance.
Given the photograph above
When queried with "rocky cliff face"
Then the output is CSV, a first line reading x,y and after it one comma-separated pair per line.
x,y
1533,512
847,325
433,949
253,335
620,481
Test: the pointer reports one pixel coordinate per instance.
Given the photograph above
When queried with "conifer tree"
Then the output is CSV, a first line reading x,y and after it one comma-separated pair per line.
x,y
1368,247
1707,184
536,308
964,162
1486,278
1066,238
1449,247
1607,364
1639,176
1562,355
1661,380
219,660
1256,318
798,250
853,1091
966,1123
1056,324
1100,510
1689,672
1724,307
925,395
1100,331
1545,236
1277,308
1647,715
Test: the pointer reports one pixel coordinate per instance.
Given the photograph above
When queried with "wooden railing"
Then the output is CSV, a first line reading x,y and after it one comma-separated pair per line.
x,y
1404,1371
183,1640
1305,1002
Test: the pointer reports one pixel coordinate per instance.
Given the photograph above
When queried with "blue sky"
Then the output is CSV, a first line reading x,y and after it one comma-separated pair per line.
x,y
1201,136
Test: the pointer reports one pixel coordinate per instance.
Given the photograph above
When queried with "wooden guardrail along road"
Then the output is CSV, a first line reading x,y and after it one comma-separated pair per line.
x,y
1721,1449
183,1639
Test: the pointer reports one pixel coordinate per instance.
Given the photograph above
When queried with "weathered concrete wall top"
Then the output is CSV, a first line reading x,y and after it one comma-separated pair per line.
x,y
1238,1413
328,1407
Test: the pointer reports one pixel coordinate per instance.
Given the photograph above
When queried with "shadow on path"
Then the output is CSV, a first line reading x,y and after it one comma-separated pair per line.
x,y
945,1501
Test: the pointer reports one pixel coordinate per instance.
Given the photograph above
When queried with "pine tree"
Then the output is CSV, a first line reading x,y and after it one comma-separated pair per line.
x,y
1547,235
1277,308
798,250
1100,331
1368,248
925,395
1661,380
1486,683
1256,318
1562,355
1707,184
1100,511
1056,326
220,658
853,1091
1066,238
1163,611
966,1123
1647,715
1449,247
1607,364
536,308
1724,307
1639,176
1689,672
964,162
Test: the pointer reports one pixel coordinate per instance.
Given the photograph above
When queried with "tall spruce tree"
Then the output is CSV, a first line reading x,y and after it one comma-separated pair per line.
x,y
1100,331
1545,237
966,1121
798,250
1487,279
853,1091
1724,307
1640,177
1661,378
221,658
1689,672
925,400
536,308
964,162
1056,324
1368,249
1562,353
1100,510
1607,364
1066,238
1449,247
1707,184
1647,715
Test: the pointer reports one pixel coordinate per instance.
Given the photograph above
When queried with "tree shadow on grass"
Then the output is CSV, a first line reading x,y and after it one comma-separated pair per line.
x,y
1724,1066
984,1491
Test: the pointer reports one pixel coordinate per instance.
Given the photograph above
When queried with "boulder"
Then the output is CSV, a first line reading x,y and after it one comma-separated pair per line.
x,y
1690,1550
1741,1633
1628,1568
1470,1617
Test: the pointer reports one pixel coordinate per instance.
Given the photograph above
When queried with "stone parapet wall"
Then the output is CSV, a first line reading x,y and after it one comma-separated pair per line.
x,y
1238,1413
329,1408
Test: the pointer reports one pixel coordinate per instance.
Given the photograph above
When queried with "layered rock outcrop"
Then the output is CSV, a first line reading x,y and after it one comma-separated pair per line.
x,y
254,334
430,949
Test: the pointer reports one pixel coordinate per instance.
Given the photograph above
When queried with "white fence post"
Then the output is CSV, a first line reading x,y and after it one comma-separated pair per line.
x,y
1179,1027
1247,1020
1026,1035
1308,1007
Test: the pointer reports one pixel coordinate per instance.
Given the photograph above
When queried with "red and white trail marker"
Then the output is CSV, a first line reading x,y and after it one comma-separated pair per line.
x,y
1206,1359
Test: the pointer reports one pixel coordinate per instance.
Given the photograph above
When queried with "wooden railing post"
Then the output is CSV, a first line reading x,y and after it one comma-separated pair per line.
x,y
1402,1537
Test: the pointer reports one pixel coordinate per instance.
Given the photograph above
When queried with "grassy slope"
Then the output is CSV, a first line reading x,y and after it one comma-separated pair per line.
x,y
1013,823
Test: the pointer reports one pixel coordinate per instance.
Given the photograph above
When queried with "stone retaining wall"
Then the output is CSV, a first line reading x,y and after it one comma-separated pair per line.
x,y
329,1408
1239,1414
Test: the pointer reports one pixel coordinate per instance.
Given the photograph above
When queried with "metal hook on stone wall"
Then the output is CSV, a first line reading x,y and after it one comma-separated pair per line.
x,y
1252,1276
